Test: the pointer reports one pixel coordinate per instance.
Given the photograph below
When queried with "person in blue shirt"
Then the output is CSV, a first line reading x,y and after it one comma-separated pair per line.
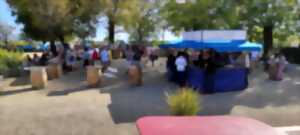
x,y
104,57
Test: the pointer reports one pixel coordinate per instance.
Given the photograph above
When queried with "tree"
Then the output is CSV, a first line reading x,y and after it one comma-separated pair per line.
x,y
118,12
201,14
145,20
5,33
49,20
259,17
270,15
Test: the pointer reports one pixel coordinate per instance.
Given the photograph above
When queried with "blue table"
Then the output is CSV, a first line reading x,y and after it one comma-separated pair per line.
x,y
224,79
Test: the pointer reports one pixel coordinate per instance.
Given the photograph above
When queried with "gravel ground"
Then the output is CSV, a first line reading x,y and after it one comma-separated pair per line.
x,y
68,107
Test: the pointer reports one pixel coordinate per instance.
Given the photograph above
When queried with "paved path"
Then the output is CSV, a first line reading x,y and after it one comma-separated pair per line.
x,y
67,106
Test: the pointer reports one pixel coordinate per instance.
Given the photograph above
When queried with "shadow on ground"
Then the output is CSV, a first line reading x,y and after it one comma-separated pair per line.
x,y
129,103
20,81
18,91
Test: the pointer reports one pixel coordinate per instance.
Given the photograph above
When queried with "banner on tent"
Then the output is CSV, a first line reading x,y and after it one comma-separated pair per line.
x,y
194,35
213,35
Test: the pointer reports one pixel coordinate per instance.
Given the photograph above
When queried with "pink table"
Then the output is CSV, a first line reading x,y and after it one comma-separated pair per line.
x,y
213,125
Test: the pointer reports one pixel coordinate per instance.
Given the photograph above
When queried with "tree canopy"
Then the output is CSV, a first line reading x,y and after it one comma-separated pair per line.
x,y
118,12
49,20
54,19
145,20
201,14
259,17
5,33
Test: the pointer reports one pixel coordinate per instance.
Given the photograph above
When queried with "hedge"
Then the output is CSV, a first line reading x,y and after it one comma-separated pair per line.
x,y
10,63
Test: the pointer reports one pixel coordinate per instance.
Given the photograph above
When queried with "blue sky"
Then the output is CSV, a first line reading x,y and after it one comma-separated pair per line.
x,y
7,18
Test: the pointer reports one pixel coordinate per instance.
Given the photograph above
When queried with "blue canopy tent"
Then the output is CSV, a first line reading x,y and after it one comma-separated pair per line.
x,y
26,48
44,47
220,45
233,46
182,44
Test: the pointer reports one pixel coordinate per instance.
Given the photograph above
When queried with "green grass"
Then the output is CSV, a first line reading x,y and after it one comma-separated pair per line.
x,y
184,102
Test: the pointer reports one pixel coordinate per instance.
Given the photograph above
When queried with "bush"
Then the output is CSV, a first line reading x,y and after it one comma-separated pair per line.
x,y
184,102
10,63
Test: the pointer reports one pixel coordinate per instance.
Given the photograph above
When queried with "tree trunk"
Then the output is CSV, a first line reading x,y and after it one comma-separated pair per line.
x,y
268,40
53,48
62,39
111,30
140,36
6,41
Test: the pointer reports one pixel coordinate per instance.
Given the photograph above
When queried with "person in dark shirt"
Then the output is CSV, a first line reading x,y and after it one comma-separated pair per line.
x,y
200,61
138,53
186,54
44,59
171,68
210,69
137,56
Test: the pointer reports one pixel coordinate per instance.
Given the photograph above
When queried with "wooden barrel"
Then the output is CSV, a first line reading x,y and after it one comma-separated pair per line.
x,y
38,77
116,53
135,76
273,72
54,71
93,76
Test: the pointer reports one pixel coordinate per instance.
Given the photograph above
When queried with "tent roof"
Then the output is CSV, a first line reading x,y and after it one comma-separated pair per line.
x,y
219,45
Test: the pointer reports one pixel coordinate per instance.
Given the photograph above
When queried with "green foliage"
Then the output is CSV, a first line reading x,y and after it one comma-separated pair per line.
x,y
185,102
52,19
281,15
201,14
252,15
5,32
10,62
19,43
157,42
145,20
118,12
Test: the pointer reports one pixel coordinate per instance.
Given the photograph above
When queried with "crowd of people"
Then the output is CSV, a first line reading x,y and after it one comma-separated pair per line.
x,y
71,57
179,62
276,65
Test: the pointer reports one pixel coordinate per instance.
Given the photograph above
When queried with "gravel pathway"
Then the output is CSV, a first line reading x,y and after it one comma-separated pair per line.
x,y
68,107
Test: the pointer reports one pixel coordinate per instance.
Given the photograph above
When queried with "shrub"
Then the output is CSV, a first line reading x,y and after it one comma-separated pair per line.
x,y
184,102
10,63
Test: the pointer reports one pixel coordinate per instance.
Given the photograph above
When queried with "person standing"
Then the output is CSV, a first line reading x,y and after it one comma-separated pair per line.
x,y
35,59
86,57
104,57
171,67
137,57
272,67
153,56
28,61
181,68
95,55
44,59
281,64
210,68
129,55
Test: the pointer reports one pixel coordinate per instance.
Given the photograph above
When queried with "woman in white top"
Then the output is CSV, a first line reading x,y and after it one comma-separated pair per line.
x,y
181,68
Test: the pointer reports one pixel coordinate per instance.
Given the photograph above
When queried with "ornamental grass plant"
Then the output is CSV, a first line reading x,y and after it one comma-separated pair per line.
x,y
184,102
